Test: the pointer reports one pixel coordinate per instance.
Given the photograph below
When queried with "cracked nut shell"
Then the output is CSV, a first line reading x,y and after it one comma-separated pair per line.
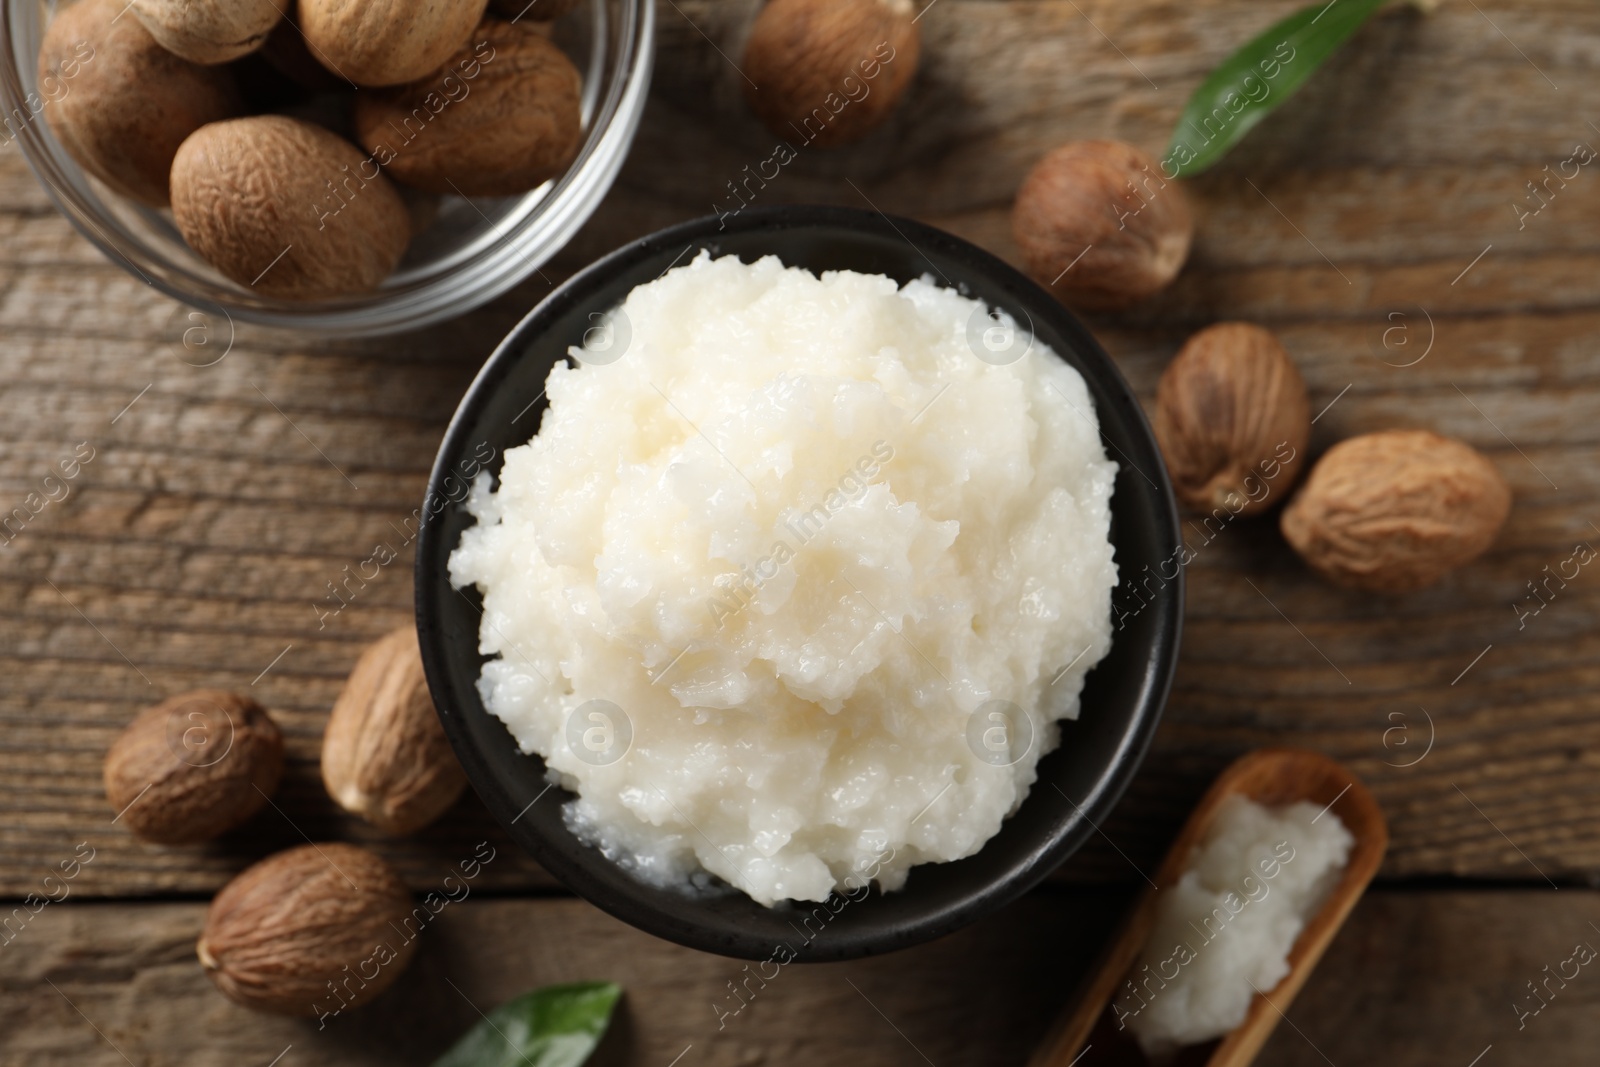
x,y
1100,226
193,766
1397,510
299,932
1233,419
828,72
384,755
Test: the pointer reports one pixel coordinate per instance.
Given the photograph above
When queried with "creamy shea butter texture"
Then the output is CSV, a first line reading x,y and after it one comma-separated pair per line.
x,y
1226,929
796,580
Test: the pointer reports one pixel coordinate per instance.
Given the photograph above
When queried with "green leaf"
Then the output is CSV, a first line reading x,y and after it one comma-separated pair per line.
x,y
557,1026
1255,80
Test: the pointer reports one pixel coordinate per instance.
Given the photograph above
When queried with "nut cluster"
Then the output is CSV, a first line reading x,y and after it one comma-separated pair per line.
x,y
322,924
1388,512
281,174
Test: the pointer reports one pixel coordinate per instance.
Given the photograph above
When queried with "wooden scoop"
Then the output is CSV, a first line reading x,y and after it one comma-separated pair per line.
x,y
1088,1032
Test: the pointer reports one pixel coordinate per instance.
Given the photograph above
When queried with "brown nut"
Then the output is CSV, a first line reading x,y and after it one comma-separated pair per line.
x,y
384,754
208,31
287,208
374,43
1397,510
313,930
1100,226
828,72
501,118
1233,419
193,766
119,103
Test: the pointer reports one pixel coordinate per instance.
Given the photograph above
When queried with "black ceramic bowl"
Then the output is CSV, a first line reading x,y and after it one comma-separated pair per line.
x,y
1078,783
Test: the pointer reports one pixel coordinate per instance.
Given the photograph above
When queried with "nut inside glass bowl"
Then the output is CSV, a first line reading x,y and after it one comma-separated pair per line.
x,y
474,251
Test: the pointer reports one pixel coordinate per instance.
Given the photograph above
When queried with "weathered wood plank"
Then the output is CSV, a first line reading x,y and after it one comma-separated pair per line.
x,y
1425,977
131,971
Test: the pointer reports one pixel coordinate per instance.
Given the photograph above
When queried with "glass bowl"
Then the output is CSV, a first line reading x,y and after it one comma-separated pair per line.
x,y
474,251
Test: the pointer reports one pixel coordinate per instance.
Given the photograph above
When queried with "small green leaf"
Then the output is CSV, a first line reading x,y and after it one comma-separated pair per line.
x,y
1251,83
557,1026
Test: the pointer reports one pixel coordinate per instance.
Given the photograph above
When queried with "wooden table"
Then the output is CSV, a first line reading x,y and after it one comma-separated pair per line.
x,y
1369,223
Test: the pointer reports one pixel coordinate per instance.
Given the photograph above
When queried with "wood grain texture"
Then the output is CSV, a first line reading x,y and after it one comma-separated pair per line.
x,y
1415,978
198,545
131,971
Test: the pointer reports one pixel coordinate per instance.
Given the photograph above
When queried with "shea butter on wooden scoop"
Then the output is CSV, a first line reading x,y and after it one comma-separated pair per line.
x,y
1229,851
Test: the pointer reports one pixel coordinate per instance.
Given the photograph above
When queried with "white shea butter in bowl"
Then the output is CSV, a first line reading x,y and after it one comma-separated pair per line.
x,y
795,581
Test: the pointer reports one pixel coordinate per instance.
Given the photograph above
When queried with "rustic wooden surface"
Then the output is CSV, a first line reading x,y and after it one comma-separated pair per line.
x,y
1374,209
103,985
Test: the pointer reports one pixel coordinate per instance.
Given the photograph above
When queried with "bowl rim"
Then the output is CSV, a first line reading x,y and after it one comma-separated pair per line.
x,y
536,226
1066,834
